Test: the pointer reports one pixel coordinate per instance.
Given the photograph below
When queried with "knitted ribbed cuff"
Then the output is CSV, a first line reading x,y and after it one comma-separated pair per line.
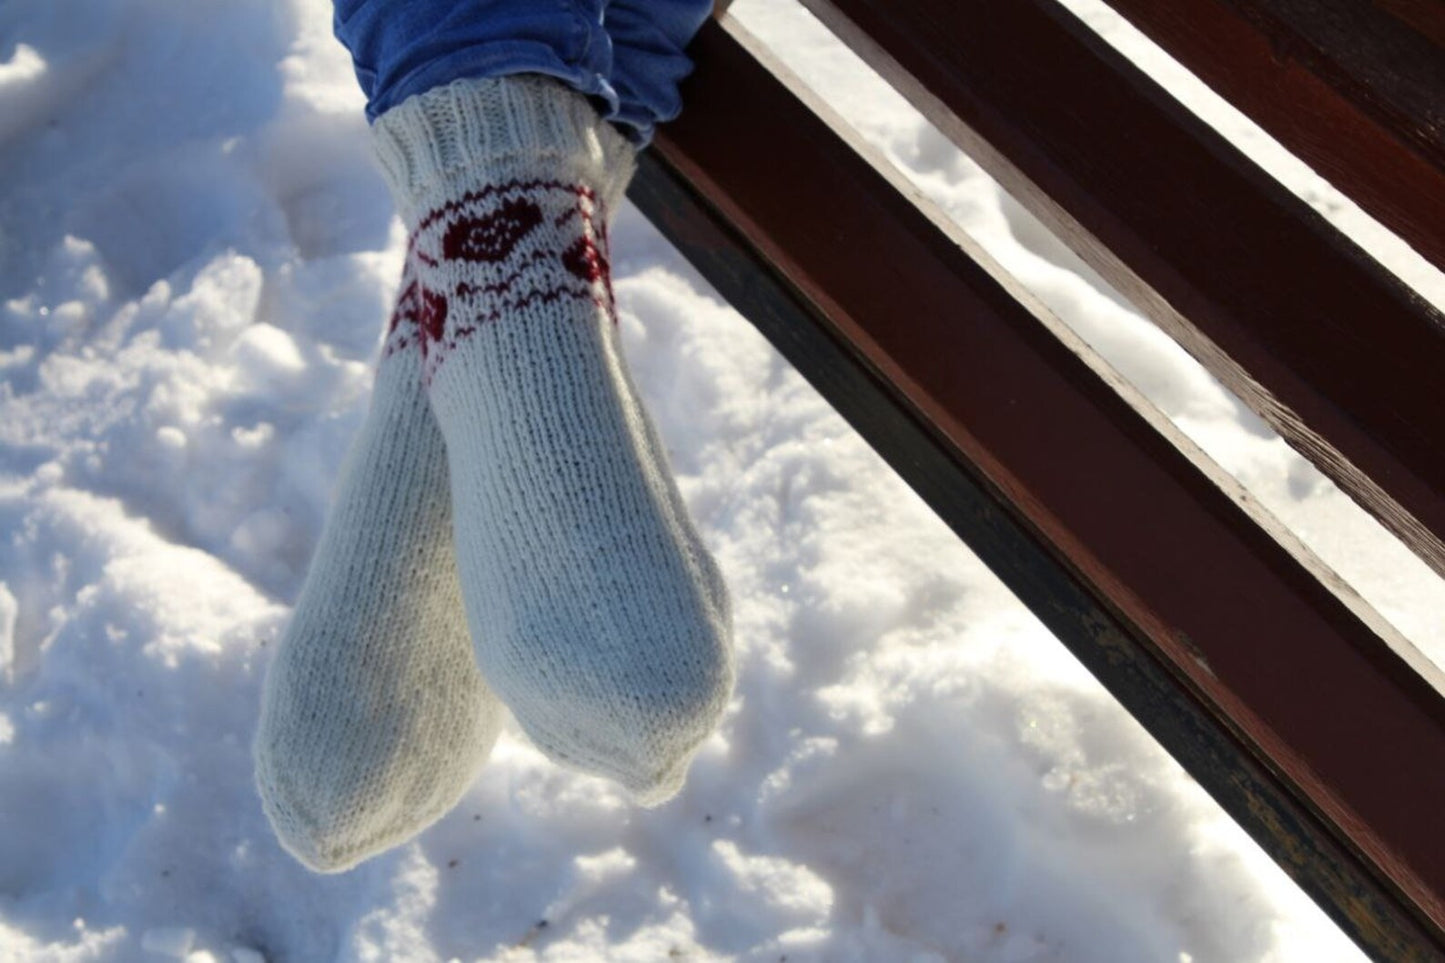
x,y
459,136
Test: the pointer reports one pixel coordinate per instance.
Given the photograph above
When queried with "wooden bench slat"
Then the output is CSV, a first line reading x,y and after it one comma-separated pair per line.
x,y
1332,351
1355,89
1279,697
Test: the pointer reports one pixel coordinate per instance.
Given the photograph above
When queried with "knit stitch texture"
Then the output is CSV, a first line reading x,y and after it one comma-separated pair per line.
x,y
375,717
598,615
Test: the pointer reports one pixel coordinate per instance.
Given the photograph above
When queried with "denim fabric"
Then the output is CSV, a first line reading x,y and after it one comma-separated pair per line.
x,y
625,54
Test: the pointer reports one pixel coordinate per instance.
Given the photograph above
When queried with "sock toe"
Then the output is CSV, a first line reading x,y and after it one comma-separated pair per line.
x,y
374,715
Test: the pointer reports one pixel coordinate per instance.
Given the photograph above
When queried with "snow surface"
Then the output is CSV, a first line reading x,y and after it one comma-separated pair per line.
x,y
195,258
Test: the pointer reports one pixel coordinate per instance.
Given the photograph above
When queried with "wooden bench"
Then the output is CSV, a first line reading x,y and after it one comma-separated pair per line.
x,y
1295,706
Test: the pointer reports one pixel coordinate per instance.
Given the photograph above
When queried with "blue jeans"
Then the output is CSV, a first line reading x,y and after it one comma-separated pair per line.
x,y
625,54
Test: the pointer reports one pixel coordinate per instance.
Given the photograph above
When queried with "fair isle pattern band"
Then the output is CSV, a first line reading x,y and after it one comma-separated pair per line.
x,y
493,254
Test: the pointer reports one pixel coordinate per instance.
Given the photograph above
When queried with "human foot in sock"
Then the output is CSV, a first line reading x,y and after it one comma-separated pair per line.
x,y
598,615
375,717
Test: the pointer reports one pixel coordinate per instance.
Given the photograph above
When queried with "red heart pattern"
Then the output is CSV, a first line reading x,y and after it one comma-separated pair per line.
x,y
491,238
470,246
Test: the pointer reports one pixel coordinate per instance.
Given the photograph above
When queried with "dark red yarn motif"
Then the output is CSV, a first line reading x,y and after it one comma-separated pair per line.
x,y
487,247
420,316
585,261
490,238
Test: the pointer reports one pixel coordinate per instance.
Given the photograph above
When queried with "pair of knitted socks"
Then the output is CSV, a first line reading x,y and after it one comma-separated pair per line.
x,y
506,530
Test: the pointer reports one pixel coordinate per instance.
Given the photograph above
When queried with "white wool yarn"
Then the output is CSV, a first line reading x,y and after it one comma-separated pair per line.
x,y
598,615
374,716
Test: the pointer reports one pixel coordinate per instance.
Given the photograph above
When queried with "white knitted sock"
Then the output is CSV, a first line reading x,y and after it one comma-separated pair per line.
x,y
374,717
598,615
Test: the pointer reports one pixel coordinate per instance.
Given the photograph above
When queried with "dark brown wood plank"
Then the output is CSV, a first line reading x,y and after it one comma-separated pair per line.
x,y
1276,694
1338,356
1356,92
1426,17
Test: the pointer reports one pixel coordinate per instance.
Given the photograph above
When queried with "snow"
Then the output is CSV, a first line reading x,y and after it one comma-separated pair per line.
x,y
195,260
